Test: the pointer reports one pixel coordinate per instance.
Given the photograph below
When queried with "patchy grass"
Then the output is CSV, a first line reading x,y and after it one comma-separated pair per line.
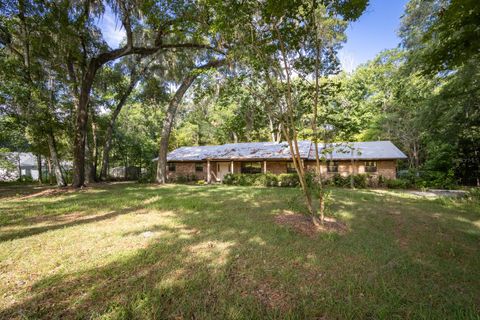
x,y
142,251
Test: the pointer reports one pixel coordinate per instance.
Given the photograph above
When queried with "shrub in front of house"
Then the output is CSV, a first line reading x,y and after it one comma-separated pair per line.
x,y
288,180
185,178
397,183
262,179
266,180
362,181
340,181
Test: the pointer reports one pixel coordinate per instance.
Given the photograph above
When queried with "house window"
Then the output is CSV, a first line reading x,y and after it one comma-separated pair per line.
x,y
291,168
199,167
370,166
332,166
251,167
171,167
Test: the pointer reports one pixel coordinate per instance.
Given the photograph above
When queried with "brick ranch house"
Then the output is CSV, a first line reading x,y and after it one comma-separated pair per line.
x,y
212,163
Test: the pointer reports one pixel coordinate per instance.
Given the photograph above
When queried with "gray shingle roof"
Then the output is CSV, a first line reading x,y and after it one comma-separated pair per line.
x,y
246,151
271,150
369,150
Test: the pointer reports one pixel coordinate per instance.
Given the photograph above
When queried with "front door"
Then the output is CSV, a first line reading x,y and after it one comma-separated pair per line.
x,y
223,168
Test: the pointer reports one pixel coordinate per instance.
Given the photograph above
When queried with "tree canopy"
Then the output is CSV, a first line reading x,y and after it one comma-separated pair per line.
x,y
251,71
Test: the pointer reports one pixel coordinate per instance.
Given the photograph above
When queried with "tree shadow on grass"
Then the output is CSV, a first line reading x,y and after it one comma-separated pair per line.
x,y
116,200
225,258
103,197
76,220
187,271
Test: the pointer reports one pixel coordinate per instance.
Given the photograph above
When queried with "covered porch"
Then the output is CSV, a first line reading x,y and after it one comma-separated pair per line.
x,y
218,168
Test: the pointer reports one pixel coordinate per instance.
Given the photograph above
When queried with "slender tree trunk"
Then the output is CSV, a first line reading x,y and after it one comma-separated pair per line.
x,y
39,166
19,166
56,161
90,150
167,128
321,195
170,118
109,133
292,136
95,147
89,166
50,173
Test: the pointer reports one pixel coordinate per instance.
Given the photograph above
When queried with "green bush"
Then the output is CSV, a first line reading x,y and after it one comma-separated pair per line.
x,y
288,180
397,183
421,179
185,178
474,195
266,180
261,179
27,179
361,181
437,179
239,179
339,181
381,181
229,179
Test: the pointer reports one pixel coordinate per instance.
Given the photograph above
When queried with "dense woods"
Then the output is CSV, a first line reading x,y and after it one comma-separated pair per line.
x,y
197,73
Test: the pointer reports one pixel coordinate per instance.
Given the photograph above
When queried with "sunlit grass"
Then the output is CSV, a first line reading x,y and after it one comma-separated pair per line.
x,y
144,251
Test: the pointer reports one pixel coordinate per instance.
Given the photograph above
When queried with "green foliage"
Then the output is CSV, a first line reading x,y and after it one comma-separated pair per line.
x,y
187,178
241,179
340,181
429,179
397,183
262,179
5,162
360,181
25,179
267,180
474,195
288,180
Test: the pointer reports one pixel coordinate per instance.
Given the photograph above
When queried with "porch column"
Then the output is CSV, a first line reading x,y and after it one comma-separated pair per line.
x,y
231,166
264,166
209,174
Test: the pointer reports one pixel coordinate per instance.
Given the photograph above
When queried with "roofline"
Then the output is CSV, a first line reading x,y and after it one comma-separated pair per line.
x,y
305,157
279,159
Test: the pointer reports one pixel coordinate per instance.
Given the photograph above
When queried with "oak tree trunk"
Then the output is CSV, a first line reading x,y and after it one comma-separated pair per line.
x,y
39,166
161,176
56,161
167,128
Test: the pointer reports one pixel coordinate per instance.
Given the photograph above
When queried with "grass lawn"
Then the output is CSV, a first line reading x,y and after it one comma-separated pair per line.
x,y
184,252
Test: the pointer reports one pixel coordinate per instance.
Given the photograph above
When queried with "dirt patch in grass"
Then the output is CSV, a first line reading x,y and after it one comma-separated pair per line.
x,y
50,192
304,225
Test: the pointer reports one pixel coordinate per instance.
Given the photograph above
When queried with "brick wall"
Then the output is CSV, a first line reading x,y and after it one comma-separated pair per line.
x,y
187,168
276,167
386,168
